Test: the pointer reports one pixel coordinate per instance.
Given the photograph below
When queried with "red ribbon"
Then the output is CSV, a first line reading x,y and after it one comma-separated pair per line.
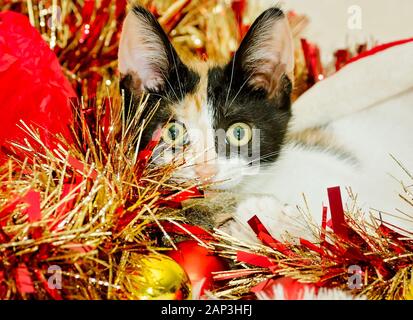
x,y
379,49
337,212
239,7
192,230
313,62
77,165
32,198
24,280
175,200
54,293
255,259
265,237
324,224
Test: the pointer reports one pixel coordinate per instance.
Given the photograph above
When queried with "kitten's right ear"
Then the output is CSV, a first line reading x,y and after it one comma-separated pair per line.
x,y
266,54
145,52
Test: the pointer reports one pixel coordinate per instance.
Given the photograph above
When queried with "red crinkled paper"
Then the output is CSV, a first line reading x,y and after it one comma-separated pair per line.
x,y
33,87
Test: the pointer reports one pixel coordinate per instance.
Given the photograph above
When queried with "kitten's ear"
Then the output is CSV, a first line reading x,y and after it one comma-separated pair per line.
x,y
145,52
266,54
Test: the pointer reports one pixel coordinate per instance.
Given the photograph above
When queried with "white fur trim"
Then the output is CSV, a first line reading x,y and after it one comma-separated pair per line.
x,y
357,86
310,294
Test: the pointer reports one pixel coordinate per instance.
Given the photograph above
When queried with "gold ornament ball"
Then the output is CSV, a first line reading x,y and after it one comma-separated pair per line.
x,y
155,277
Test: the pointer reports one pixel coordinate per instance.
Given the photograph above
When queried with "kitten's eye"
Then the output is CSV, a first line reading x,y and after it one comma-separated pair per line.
x,y
239,134
175,134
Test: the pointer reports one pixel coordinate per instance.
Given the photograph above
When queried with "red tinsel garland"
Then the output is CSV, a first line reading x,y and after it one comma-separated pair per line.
x,y
346,247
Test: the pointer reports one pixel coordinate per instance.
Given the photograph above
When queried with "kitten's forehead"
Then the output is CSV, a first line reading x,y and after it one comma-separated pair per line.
x,y
196,104
199,97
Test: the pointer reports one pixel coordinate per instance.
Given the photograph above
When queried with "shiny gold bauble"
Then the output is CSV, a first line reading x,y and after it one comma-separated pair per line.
x,y
155,277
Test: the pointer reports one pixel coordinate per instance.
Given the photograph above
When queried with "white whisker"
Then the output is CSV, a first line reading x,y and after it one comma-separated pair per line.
x,y
176,71
167,81
239,91
232,78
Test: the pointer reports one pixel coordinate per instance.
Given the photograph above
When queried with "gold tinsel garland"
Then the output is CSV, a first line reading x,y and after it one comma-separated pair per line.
x,y
92,206
85,34
382,259
84,212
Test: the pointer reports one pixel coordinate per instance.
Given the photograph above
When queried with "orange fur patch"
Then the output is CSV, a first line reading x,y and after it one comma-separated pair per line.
x,y
192,112
193,103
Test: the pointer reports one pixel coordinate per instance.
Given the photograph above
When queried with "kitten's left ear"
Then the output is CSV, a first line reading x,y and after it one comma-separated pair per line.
x,y
266,54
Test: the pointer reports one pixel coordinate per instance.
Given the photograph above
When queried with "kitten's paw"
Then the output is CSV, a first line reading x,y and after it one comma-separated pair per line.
x,y
266,208
278,218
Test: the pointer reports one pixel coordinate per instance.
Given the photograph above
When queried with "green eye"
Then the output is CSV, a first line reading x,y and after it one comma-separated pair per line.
x,y
239,134
174,134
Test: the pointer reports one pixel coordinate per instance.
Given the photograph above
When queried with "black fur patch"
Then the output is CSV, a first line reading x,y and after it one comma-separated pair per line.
x,y
229,93
242,103
167,95
179,81
235,100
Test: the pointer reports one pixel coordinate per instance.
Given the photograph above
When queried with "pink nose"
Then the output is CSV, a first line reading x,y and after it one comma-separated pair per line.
x,y
205,171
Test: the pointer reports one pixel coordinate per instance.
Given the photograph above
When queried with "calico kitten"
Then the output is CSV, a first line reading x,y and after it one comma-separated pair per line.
x,y
232,124
251,92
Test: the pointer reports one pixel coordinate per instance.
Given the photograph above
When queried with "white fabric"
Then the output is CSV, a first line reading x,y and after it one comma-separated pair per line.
x,y
357,86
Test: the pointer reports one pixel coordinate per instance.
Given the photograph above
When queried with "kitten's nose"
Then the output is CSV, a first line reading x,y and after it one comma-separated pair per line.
x,y
206,171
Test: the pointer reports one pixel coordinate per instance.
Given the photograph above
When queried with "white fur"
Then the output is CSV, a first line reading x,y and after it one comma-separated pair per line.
x,y
202,150
369,134
280,293
358,86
